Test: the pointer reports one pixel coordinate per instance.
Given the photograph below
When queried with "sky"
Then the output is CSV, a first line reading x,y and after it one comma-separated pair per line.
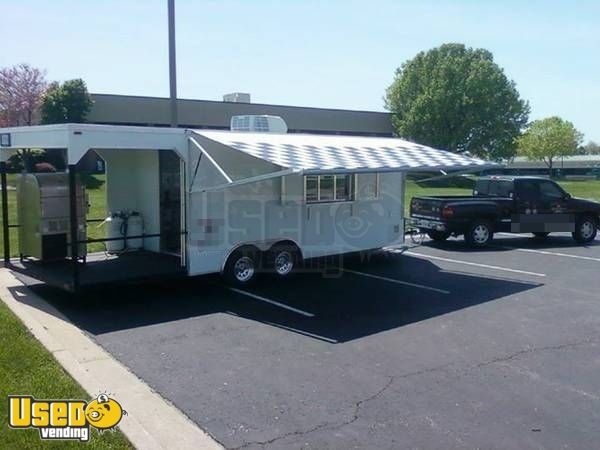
x,y
337,54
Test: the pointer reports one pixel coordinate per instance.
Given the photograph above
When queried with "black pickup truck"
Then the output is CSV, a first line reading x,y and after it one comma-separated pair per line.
x,y
506,204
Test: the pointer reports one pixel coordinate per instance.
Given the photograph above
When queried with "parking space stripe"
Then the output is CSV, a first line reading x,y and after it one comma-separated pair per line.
x,y
272,302
469,263
302,332
393,280
545,252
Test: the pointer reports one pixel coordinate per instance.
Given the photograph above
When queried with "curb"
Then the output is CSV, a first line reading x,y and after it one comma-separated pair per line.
x,y
152,422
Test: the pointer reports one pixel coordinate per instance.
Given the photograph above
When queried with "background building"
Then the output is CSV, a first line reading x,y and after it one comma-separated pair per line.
x,y
576,166
154,111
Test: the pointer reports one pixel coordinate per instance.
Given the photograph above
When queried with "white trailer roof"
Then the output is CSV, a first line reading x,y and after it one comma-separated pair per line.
x,y
79,138
309,153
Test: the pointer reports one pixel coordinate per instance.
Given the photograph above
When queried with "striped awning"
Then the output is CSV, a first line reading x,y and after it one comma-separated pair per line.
x,y
309,153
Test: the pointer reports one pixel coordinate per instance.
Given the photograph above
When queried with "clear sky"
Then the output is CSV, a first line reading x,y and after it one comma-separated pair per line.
x,y
339,54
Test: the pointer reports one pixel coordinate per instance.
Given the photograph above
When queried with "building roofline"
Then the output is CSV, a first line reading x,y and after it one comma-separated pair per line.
x,y
242,103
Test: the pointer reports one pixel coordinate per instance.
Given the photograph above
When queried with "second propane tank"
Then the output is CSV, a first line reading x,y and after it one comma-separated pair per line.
x,y
135,227
122,227
115,228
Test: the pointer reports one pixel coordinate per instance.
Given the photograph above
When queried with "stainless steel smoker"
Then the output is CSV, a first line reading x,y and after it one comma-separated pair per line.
x,y
43,215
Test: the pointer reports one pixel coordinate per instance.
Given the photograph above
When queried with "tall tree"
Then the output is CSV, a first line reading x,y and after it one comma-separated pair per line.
x,y
548,139
21,90
458,99
69,102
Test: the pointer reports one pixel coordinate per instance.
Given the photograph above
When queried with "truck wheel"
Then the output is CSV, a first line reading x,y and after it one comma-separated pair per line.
x,y
438,236
480,234
585,229
241,266
283,259
541,234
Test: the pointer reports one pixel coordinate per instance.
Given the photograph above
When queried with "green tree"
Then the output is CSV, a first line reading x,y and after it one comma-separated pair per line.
x,y
548,139
69,102
458,99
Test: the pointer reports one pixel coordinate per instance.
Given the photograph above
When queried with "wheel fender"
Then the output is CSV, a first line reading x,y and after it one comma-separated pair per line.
x,y
289,242
252,247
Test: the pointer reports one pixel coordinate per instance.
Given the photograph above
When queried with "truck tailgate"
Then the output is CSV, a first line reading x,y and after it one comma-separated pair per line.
x,y
426,207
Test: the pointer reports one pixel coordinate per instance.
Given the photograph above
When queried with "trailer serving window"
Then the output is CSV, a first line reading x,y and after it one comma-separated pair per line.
x,y
328,188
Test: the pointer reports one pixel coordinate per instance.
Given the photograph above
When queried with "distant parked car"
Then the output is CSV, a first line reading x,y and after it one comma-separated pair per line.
x,y
507,204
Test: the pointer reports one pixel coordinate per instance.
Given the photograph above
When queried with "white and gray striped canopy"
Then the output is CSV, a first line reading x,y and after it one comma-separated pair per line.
x,y
312,153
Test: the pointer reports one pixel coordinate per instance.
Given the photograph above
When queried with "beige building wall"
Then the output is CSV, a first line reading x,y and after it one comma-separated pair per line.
x,y
133,110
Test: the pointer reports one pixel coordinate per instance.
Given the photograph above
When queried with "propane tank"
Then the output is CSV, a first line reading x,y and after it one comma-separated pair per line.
x,y
135,227
115,228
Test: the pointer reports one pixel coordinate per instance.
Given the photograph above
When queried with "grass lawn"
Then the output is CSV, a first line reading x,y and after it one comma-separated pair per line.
x,y
96,190
27,368
582,189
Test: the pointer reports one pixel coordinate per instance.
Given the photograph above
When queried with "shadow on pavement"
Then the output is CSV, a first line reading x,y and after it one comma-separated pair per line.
x,y
340,307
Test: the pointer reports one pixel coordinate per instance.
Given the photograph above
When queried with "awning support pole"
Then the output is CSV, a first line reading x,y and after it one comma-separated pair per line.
x,y
5,229
73,220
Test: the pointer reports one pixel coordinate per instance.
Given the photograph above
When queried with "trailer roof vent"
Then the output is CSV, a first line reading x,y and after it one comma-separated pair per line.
x,y
259,124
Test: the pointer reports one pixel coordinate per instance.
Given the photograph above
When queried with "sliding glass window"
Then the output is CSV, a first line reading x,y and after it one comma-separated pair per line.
x,y
328,188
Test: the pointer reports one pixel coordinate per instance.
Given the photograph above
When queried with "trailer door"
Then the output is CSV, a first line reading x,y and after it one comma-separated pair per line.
x,y
170,202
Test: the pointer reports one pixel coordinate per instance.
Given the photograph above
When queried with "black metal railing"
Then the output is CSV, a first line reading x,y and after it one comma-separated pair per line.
x,y
126,238
75,242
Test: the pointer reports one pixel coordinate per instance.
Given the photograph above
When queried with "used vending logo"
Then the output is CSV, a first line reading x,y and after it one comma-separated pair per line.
x,y
64,419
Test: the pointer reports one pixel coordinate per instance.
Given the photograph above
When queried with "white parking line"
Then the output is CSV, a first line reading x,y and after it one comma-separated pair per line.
x,y
302,332
468,263
272,302
392,280
529,235
545,252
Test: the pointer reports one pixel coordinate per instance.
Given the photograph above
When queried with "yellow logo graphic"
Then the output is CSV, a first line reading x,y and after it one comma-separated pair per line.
x,y
64,419
103,413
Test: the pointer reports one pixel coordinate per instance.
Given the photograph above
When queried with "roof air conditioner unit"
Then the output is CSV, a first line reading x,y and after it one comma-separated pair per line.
x,y
237,97
259,124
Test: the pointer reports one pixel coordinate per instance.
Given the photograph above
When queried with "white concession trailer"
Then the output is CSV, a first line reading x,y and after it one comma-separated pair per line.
x,y
192,202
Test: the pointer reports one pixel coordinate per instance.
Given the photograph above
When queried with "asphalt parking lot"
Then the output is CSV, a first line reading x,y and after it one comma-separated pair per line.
x,y
440,347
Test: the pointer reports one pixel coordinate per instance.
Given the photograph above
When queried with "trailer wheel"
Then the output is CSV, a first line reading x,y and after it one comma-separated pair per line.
x,y
242,266
283,259
479,234
438,236
585,229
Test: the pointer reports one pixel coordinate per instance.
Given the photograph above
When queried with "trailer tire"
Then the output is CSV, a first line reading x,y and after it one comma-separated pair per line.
x,y
480,234
586,228
438,236
283,259
242,266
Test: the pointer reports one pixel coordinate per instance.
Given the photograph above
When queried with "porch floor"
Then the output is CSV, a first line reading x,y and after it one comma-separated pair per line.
x,y
101,268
